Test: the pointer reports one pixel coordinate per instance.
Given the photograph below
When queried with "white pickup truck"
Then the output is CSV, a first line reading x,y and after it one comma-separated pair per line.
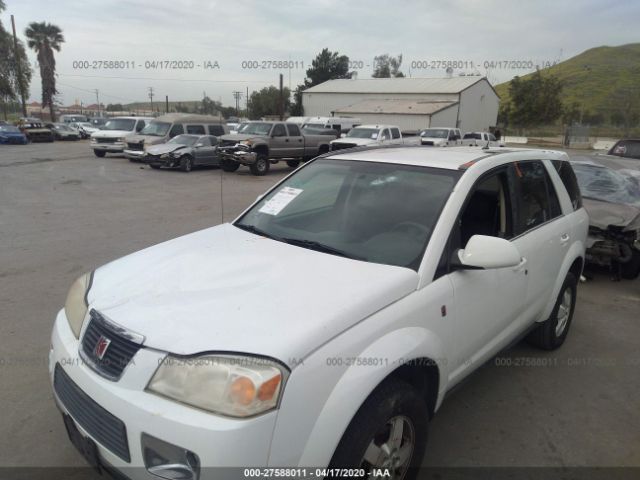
x,y
481,139
370,136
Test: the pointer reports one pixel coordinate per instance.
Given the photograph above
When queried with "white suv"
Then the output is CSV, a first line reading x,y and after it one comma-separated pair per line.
x,y
324,326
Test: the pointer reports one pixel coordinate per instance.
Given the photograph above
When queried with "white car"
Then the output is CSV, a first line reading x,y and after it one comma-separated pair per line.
x,y
111,137
369,136
440,137
324,326
481,139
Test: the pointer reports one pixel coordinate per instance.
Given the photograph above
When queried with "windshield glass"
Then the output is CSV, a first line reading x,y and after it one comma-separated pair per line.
x,y
241,127
257,128
9,129
184,140
156,129
605,184
376,212
120,124
435,133
363,133
472,135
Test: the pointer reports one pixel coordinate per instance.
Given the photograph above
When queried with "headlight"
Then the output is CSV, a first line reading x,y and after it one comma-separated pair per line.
x,y
248,143
121,139
164,155
228,385
75,308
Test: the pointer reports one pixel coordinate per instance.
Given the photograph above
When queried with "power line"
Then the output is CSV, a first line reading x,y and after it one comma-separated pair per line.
x,y
163,79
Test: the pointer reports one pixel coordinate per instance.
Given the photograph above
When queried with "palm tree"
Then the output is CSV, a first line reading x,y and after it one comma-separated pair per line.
x,y
44,38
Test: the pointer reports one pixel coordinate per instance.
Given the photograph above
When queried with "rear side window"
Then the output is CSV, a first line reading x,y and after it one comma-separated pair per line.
x,y
536,200
570,182
140,125
216,130
176,130
395,133
294,131
196,129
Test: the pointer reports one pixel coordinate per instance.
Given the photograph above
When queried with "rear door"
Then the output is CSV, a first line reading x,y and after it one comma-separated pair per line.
x,y
297,142
396,137
542,232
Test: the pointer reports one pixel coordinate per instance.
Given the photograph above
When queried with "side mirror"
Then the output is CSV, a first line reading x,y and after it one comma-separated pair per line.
x,y
343,135
198,145
483,251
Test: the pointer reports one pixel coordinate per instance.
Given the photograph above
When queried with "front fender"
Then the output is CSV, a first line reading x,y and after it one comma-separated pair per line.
x,y
358,381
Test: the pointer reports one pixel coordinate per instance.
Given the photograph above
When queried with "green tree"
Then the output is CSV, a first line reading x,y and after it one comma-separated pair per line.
x,y
10,81
209,107
44,38
326,66
535,100
265,102
386,66
625,101
115,107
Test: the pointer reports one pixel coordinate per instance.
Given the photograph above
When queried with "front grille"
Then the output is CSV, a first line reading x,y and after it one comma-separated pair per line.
x,y
135,146
106,140
427,142
341,146
117,354
107,429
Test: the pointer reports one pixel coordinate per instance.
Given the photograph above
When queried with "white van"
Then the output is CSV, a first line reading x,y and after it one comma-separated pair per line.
x,y
111,138
339,124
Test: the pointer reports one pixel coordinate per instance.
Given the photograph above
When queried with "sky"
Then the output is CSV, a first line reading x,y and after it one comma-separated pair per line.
x,y
220,43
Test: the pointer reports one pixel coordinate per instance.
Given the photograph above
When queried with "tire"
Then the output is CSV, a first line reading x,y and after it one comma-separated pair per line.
x,y
630,270
293,163
392,403
155,167
261,166
229,166
551,333
186,164
99,153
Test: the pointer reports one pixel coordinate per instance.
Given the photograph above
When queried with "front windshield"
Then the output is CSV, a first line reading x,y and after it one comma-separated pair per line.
x,y
242,127
120,124
188,140
363,133
376,212
9,129
605,184
434,133
256,128
156,129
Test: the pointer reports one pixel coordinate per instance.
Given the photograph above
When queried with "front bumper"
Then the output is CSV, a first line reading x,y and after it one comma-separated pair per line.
x,y
217,441
240,155
135,154
116,147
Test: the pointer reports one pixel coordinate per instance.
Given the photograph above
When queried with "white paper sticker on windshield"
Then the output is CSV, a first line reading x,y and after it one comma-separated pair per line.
x,y
280,200
374,135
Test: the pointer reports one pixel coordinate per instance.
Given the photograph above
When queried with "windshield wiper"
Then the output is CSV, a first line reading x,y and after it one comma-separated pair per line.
x,y
320,247
256,230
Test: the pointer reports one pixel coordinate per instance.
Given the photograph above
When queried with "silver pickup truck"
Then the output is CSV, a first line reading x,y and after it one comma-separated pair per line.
x,y
262,143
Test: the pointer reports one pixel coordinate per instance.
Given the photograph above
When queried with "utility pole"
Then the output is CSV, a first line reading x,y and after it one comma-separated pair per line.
x,y
166,104
246,99
281,100
98,102
18,67
151,98
237,95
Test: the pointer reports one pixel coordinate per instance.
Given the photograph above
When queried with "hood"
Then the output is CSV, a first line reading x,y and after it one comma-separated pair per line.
x,y
110,133
163,148
238,137
436,140
605,214
355,141
224,289
147,139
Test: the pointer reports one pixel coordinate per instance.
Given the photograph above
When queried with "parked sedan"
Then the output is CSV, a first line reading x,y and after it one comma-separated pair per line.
x,y
85,128
62,131
184,152
626,148
612,199
11,134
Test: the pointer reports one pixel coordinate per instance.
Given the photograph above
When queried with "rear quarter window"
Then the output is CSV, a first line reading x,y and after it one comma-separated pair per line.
x,y
196,129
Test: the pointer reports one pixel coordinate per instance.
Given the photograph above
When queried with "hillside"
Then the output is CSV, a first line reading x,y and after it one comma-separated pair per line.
x,y
598,79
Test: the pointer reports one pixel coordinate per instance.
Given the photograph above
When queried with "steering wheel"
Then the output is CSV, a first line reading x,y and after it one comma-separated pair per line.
x,y
413,228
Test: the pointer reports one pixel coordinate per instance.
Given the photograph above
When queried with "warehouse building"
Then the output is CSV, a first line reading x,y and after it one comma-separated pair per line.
x,y
469,103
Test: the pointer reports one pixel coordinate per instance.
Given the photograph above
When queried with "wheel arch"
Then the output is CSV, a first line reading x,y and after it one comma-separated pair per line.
x,y
573,263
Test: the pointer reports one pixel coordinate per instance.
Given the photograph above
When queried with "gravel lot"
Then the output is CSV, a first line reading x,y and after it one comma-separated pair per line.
x,y
64,211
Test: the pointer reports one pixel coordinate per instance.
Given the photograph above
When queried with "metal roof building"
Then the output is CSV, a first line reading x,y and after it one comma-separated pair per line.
x,y
469,103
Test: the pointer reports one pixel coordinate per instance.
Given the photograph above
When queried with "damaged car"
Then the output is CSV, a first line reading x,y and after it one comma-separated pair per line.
x,y
612,199
184,152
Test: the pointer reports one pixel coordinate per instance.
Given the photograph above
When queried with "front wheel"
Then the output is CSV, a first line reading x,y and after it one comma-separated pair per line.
x,y
99,153
186,164
229,166
389,431
551,333
631,269
261,165
293,163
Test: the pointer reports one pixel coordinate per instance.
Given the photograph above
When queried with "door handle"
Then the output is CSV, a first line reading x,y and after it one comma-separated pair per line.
x,y
520,266
564,238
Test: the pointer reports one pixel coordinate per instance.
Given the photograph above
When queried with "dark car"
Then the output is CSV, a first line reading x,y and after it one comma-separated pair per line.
x,y
184,152
628,148
35,130
63,131
11,134
612,200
